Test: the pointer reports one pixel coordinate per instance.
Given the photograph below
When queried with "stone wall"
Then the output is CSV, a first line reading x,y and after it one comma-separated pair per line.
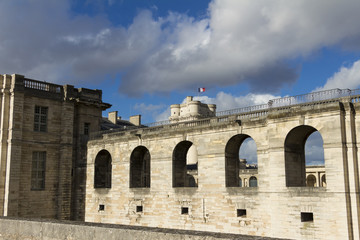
x,y
272,209
19,229
63,141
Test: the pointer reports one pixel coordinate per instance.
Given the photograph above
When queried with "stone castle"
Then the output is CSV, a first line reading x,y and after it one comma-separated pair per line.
x,y
184,173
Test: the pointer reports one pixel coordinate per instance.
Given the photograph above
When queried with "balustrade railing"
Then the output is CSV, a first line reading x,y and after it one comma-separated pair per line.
x,y
43,86
249,112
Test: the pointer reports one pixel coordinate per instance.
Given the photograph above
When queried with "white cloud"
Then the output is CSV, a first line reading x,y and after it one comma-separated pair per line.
x,y
226,101
238,41
346,77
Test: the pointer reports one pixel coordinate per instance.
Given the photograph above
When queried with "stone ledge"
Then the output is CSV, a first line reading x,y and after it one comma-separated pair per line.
x,y
23,228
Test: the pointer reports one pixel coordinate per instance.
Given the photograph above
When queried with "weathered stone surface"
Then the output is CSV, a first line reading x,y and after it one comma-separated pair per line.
x,y
273,209
31,229
64,142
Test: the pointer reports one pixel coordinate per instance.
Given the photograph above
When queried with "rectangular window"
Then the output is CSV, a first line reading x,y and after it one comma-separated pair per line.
x,y
40,119
241,212
139,209
307,217
86,129
184,210
38,171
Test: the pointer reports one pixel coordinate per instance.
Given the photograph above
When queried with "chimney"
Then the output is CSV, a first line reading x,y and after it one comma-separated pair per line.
x,y
112,116
136,120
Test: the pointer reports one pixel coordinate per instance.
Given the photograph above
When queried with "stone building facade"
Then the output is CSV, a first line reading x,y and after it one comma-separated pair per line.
x,y
44,130
281,205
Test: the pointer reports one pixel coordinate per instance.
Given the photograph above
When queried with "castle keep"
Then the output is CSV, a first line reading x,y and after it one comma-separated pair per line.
x,y
142,176
44,130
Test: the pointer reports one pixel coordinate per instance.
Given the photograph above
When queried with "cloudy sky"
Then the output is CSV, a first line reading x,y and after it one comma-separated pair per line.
x,y
148,54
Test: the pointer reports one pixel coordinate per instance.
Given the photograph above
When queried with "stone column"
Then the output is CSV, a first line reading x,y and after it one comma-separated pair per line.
x,y
14,147
65,161
4,126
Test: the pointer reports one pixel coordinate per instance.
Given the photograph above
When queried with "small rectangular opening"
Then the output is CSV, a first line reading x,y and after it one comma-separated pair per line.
x,y
139,209
101,207
241,212
307,217
185,210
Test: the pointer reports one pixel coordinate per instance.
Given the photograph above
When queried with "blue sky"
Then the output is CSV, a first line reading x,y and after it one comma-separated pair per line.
x,y
148,54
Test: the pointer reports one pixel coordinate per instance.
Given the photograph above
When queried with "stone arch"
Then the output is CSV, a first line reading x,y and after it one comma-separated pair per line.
x,y
311,180
140,168
183,173
253,181
295,163
240,182
102,174
232,161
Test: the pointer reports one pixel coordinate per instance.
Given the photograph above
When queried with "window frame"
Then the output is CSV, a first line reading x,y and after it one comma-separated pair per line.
x,y
38,170
40,118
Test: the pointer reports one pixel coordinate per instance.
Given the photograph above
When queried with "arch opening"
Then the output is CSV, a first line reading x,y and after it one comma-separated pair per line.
x,y
311,181
304,157
140,168
185,165
253,181
240,160
102,175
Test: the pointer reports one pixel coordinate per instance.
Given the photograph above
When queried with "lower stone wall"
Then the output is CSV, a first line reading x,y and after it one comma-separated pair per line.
x,y
30,229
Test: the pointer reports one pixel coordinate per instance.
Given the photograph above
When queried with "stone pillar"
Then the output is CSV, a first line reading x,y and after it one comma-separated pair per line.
x,y
14,148
65,161
353,167
4,126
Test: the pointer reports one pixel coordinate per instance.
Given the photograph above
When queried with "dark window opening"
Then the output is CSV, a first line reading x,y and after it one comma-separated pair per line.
x,y
185,168
140,168
307,217
235,160
103,167
297,160
101,207
241,212
184,210
139,208
40,119
86,129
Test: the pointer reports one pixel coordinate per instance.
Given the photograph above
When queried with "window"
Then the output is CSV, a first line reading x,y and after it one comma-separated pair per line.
x,y
40,119
38,171
253,182
139,209
241,212
86,128
102,178
307,217
240,160
140,168
101,207
300,142
184,210
185,165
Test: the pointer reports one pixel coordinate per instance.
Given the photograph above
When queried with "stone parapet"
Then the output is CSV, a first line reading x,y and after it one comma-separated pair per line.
x,y
13,229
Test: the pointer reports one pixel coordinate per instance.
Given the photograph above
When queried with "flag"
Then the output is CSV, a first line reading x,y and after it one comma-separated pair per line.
x,y
201,89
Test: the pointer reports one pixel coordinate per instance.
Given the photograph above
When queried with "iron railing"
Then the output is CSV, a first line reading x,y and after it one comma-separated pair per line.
x,y
245,112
